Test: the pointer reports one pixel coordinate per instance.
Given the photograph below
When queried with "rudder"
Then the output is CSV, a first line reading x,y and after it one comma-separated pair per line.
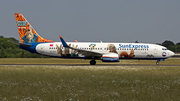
x,y
27,33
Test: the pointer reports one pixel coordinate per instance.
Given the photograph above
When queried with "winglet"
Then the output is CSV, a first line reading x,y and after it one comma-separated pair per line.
x,y
60,36
63,42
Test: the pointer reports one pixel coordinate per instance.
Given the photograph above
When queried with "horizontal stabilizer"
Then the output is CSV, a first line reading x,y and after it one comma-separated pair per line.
x,y
22,44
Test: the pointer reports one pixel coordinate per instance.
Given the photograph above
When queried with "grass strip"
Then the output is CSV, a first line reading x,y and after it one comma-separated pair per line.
x,y
95,83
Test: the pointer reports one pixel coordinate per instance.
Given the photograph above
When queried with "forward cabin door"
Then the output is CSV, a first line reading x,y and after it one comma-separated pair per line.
x,y
155,50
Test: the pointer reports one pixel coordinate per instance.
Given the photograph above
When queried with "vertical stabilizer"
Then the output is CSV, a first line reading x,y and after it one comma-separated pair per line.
x,y
27,33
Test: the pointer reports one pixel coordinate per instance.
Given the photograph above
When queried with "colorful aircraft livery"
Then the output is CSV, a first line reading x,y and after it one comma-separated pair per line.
x,y
26,31
104,51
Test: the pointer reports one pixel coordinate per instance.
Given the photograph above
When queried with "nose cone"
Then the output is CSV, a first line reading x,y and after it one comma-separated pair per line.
x,y
171,53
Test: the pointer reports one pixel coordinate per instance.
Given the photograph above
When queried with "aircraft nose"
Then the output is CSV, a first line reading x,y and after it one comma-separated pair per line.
x,y
171,53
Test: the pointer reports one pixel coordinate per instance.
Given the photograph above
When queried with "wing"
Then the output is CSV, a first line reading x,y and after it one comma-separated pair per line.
x,y
86,53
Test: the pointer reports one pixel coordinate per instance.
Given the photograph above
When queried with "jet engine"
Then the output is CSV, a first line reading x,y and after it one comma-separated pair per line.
x,y
110,57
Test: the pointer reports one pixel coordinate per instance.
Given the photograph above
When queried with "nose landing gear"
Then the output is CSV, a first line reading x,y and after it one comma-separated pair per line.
x,y
157,63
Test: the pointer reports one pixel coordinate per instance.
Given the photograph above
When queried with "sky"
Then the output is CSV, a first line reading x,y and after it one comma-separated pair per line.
x,y
146,21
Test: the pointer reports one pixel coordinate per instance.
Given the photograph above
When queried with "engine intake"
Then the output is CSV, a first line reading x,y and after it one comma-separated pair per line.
x,y
110,57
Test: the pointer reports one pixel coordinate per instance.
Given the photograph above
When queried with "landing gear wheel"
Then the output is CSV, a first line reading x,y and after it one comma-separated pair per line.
x,y
92,62
157,63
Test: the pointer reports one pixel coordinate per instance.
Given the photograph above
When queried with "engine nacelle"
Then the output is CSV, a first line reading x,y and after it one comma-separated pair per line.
x,y
110,57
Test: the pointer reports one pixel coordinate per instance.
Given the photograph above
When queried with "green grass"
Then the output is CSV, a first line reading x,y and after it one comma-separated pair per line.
x,y
170,61
93,83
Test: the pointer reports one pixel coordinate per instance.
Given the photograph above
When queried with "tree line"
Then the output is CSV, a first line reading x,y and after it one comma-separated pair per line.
x,y
171,46
10,50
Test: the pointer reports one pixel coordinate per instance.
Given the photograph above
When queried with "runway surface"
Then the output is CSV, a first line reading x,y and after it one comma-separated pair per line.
x,y
84,65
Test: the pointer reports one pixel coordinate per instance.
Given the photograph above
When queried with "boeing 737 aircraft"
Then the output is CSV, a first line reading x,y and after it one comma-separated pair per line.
x,y
107,52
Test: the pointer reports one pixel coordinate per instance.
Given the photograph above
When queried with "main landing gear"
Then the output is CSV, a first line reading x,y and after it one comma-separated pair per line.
x,y
92,62
157,63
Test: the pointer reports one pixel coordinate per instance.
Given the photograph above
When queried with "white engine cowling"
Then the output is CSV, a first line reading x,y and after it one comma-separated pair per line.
x,y
110,57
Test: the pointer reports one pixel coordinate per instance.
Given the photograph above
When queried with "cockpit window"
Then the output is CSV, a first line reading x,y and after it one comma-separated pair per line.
x,y
164,48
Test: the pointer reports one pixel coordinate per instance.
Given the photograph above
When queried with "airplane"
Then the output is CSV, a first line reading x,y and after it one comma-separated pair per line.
x,y
104,51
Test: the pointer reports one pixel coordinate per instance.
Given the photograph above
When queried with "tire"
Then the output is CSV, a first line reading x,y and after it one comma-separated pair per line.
x,y
92,62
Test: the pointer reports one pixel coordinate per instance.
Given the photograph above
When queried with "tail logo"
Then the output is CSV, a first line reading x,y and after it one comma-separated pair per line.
x,y
21,23
26,32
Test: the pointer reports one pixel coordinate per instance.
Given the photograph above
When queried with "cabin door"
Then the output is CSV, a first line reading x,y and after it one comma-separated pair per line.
x,y
155,50
42,48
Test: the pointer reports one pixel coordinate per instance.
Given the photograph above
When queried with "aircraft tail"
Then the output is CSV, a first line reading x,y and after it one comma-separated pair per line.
x,y
27,33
